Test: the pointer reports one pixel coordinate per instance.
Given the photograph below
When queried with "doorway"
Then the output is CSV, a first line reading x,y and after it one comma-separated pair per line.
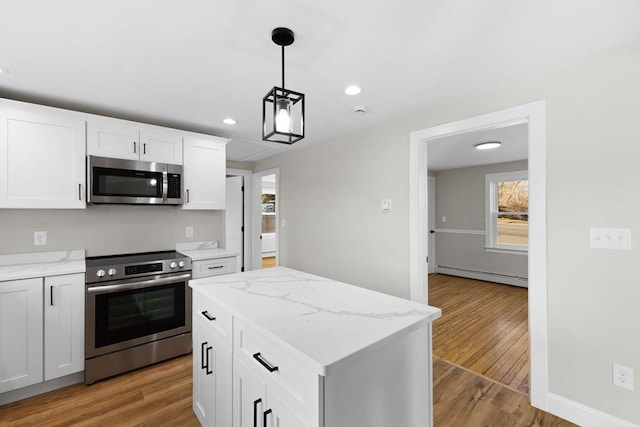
x,y
265,219
534,115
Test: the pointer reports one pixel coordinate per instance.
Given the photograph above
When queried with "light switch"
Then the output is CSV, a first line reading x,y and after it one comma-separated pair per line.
x,y
610,238
386,205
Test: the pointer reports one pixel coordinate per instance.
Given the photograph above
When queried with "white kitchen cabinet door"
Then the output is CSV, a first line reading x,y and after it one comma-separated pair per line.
x,y
163,147
279,414
211,378
113,138
20,333
42,157
204,172
63,325
249,396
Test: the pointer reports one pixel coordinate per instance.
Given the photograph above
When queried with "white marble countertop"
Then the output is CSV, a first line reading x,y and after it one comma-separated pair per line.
x,y
198,251
41,264
325,321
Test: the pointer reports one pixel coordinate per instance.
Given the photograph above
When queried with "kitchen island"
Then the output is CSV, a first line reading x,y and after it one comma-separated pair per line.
x,y
282,347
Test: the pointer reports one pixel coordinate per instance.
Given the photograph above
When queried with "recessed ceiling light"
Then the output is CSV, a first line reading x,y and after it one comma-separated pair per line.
x,y
229,121
352,90
489,145
4,70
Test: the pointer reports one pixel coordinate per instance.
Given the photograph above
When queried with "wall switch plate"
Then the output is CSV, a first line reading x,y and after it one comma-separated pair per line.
x,y
444,219
39,238
623,376
386,205
610,238
188,231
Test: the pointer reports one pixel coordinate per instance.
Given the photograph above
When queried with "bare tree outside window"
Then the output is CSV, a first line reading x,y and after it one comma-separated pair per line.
x,y
513,213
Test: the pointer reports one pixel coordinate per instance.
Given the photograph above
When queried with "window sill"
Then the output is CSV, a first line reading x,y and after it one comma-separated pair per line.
x,y
507,250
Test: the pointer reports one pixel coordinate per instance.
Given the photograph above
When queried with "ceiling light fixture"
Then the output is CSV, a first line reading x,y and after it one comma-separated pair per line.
x,y
282,109
229,121
489,145
352,90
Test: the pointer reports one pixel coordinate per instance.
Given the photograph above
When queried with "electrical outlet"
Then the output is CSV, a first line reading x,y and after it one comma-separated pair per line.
x,y
39,238
188,231
623,376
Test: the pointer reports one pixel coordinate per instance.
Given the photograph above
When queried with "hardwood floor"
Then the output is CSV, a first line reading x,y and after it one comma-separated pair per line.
x,y
483,328
160,395
269,262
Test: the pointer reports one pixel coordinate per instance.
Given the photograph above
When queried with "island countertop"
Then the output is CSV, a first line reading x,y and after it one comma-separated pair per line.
x,y
325,321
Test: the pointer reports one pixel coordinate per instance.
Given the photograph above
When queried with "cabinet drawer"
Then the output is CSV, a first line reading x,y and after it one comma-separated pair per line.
x,y
213,267
295,382
214,318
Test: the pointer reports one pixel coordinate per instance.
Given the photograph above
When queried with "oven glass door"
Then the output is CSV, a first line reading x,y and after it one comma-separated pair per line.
x,y
128,314
110,182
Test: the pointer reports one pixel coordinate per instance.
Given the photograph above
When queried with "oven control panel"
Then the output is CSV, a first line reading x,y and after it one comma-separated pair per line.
x,y
109,268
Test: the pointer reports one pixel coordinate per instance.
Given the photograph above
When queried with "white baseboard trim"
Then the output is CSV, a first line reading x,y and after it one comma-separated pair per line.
x,y
522,282
583,415
40,388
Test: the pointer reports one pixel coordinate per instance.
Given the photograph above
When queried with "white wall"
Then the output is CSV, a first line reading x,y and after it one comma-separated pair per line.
x,y
331,192
106,229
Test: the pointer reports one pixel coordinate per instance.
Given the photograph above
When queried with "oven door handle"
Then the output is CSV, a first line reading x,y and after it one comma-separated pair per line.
x,y
137,285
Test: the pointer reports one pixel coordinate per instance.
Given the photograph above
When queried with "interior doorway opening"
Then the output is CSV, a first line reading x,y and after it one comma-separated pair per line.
x,y
265,222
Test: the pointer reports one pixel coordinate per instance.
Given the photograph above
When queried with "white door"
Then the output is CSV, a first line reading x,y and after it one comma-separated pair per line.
x,y
234,219
431,250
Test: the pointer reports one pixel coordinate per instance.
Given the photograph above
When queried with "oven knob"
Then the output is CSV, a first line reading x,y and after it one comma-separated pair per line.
x,y
100,273
181,264
173,265
112,272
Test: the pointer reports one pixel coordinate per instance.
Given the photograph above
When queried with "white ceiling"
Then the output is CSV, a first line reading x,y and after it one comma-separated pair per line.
x,y
191,63
458,151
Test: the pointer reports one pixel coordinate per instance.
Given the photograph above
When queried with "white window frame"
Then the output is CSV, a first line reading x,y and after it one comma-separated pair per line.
x,y
491,212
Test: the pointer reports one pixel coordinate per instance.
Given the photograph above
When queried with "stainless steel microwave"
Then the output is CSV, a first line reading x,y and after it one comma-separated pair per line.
x,y
133,182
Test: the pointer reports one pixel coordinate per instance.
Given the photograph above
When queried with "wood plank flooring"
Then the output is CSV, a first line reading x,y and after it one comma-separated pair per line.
x,y
269,262
483,328
160,395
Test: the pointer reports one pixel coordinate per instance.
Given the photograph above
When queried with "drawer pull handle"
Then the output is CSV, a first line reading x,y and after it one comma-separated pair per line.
x,y
264,417
202,365
264,363
255,412
215,267
207,315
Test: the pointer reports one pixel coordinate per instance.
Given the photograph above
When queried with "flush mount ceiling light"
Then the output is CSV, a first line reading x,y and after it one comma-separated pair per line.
x,y
352,90
282,109
229,121
489,145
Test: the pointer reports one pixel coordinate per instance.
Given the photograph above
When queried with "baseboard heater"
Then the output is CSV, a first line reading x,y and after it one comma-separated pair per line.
x,y
484,275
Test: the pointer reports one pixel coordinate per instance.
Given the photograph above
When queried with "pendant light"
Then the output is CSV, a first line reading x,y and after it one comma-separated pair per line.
x,y
282,109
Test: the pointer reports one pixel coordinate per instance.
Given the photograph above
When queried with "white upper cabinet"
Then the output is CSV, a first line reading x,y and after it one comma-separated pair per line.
x,y
122,139
204,172
42,157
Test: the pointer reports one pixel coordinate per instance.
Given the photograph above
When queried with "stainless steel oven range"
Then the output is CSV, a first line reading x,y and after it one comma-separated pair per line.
x,y
138,311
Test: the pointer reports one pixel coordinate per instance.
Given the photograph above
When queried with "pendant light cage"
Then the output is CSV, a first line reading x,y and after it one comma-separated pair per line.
x,y
270,109
283,109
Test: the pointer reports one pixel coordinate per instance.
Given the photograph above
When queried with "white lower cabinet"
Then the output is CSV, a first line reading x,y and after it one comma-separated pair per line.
x,y
211,375
41,338
20,333
256,404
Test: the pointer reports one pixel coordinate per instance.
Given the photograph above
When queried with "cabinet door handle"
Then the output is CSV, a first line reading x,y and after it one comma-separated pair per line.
x,y
264,363
51,295
134,147
202,365
80,192
207,315
208,370
255,412
144,148
264,417
187,195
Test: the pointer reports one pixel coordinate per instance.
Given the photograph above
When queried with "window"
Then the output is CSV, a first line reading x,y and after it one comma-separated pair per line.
x,y
507,211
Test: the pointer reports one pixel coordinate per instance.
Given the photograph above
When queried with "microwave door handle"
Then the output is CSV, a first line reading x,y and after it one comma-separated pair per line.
x,y
165,186
136,285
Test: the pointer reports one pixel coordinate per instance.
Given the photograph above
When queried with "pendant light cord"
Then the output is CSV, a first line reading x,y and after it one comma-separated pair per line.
x,y
283,68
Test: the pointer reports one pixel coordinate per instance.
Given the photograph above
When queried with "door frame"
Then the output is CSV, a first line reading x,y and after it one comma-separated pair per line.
x,y
534,114
247,222
257,216
431,213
